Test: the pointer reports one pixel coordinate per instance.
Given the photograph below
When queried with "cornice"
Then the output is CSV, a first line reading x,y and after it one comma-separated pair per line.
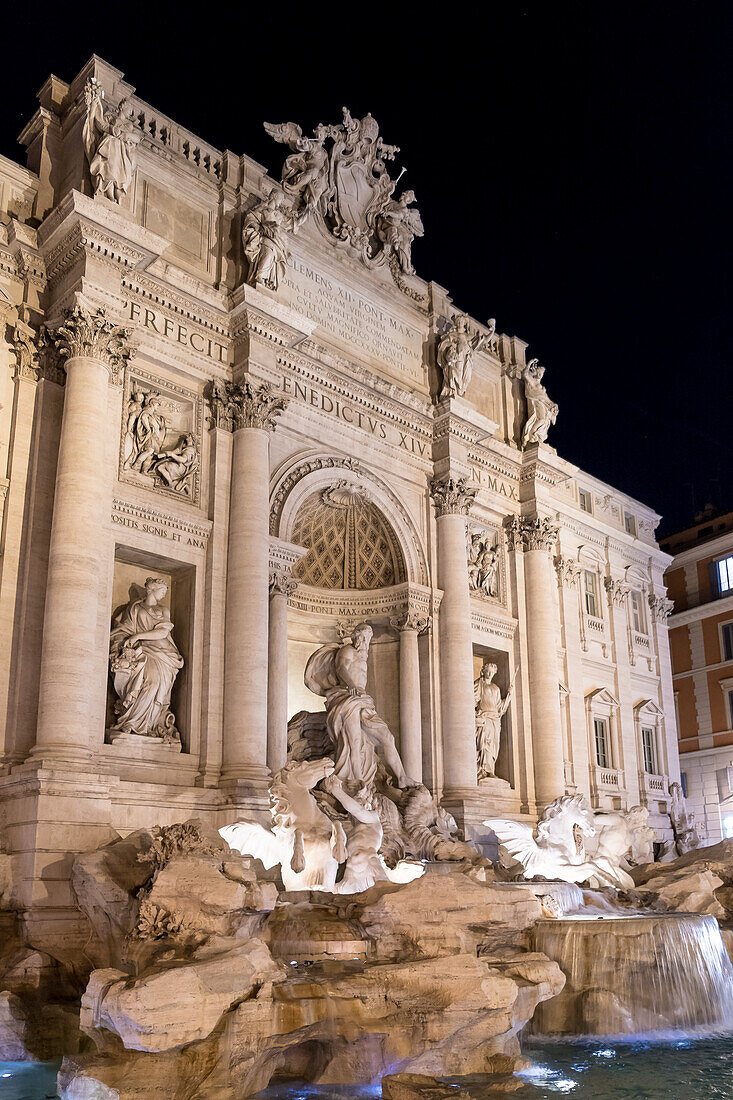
x,y
486,622
137,510
162,297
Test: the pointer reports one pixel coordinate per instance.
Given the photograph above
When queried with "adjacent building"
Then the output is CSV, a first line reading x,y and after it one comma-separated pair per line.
x,y
234,423
700,581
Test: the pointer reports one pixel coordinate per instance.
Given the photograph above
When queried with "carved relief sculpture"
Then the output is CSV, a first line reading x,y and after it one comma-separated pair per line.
x,y
174,469
146,427
144,662
483,564
347,187
541,412
490,709
265,240
110,144
455,354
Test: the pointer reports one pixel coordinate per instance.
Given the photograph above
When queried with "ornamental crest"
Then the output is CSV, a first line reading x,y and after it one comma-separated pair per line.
x,y
339,176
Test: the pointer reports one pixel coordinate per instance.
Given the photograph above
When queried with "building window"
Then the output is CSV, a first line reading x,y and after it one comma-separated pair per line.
x,y
724,575
647,748
603,743
730,710
630,523
638,613
586,501
591,593
726,633
683,782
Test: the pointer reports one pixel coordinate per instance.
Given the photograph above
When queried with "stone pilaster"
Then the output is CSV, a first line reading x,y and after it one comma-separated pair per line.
x,y
73,674
282,586
249,412
453,500
410,626
535,539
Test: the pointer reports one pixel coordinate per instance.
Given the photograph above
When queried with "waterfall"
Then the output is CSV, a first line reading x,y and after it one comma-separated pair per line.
x,y
630,974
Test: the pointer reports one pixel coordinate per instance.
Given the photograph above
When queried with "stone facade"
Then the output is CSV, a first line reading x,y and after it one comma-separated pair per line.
x,y
701,639
246,397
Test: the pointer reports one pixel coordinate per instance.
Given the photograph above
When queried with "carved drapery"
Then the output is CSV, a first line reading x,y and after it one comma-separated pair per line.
x,y
527,534
237,405
452,496
90,334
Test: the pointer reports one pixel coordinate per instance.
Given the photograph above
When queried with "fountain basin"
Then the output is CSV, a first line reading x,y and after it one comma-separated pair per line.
x,y
633,973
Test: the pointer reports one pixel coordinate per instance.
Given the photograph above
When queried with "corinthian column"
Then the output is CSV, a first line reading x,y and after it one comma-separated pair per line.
x,y
249,412
410,626
535,538
73,665
282,586
453,500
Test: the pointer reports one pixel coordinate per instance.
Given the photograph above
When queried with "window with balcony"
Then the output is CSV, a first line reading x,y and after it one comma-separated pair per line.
x,y
638,612
592,603
586,500
603,742
648,749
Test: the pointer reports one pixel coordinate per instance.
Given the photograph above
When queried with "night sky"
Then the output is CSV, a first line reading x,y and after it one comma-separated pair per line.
x,y
571,163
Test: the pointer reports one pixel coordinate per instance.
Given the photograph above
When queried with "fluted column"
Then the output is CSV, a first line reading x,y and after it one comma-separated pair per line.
x,y
282,587
453,500
249,412
73,668
535,538
410,626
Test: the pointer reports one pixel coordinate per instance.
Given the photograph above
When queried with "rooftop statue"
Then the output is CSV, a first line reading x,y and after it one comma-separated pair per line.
x,y
346,185
558,852
455,354
541,412
110,143
265,239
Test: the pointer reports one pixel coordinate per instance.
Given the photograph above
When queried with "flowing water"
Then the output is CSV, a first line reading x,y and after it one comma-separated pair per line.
x,y
635,974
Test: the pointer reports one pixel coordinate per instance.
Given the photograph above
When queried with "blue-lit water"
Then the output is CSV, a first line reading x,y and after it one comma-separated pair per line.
x,y
681,1069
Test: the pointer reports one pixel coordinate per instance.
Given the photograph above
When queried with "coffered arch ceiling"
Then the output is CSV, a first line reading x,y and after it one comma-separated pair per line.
x,y
351,544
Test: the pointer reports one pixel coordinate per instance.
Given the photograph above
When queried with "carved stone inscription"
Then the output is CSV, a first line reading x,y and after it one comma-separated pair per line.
x,y
364,327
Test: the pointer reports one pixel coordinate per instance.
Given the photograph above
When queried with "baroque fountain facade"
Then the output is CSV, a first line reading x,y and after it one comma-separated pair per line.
x,y
338,728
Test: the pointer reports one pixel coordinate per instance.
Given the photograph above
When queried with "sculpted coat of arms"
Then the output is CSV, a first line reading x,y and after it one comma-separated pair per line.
x,y
339,176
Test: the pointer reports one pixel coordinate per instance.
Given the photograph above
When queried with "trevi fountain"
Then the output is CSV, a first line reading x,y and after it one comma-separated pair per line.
x,y
338,753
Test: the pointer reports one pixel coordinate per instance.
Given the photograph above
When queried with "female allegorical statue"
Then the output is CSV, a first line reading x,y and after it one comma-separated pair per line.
x,y
110,143
144,662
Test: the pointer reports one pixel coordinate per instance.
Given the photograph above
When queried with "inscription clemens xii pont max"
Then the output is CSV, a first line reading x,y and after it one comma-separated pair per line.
x,y
354,321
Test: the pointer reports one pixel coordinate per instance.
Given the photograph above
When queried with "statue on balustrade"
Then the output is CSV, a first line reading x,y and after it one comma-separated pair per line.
x,y
265,240
144,662
305,173
110,143
397,227
541,412
359,735
455,354
490,709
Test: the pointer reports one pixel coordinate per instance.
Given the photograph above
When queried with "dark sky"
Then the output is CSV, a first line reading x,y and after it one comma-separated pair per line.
x,y
571,163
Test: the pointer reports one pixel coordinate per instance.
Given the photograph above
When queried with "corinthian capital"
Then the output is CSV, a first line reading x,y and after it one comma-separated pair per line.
x,y
661,607
452,497
282,581
618,592
235,405
90,334
568,571
411,620
524,533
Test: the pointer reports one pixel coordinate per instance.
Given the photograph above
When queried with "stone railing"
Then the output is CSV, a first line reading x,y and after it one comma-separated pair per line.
x,y
596,626
165,131
641,641
607,780
653,786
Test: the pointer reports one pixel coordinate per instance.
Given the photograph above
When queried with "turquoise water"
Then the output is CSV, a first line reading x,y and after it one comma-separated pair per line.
x,y
681,1069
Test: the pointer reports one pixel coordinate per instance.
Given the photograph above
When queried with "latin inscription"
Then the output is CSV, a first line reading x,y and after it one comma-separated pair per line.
x,y
361,325
162,527
180,334
494,484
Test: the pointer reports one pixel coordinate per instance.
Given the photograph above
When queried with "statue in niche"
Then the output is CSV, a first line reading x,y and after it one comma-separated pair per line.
x,y
305,172
559,852
483,565
397,227
144,662
455,354
541,412
174,469
360,736
110,143
490,709
264,238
